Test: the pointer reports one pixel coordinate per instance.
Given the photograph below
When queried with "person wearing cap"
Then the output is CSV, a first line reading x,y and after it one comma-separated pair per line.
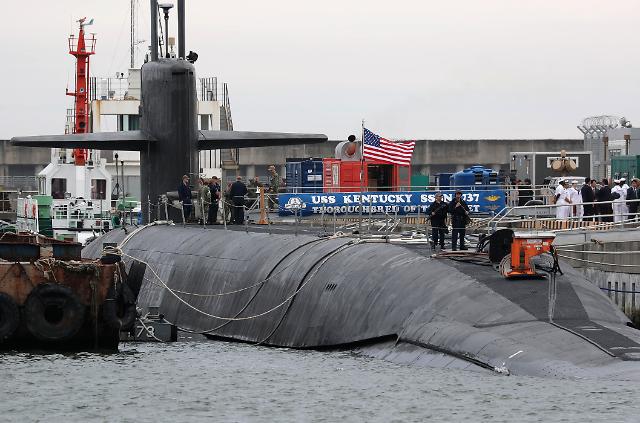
x,y
204,198
619,195
633,194
459,216
576,200
562,200
603,195
274,185
437,213
625,188
184,195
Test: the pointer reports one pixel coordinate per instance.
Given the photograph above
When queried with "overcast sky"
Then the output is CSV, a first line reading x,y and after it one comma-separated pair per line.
x,y
412,69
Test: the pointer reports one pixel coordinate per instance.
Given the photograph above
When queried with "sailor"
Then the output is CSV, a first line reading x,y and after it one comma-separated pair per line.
x,y
184,195
437,212
633,193
588,195
204,197
619,196
562,211
576,200
625,189
603,195
237,192
274,186
459,216
214,188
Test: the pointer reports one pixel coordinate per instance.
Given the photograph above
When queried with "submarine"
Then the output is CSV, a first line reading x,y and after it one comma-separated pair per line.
x,y
398,302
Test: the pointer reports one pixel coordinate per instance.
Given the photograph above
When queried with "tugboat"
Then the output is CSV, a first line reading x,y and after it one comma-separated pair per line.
x,y
51,299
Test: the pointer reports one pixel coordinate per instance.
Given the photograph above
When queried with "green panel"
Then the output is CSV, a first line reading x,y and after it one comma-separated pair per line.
x,y
625,166
44,212
128,203
46,228
43,200
418,182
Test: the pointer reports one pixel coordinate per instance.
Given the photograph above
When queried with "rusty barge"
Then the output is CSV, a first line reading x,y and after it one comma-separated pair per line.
x,y
51,299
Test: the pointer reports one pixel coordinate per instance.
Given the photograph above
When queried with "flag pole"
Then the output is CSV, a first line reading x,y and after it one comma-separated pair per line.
x,y
361,177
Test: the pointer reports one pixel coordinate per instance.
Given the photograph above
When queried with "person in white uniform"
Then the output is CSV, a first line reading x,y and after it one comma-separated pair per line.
x,y
576,200
625,206
562,201
619,200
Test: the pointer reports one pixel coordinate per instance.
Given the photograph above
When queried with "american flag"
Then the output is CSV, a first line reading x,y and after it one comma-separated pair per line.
x,y
382,150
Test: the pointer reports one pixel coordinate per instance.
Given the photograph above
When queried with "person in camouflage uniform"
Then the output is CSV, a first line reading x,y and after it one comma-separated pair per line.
x,y
204,198
274,186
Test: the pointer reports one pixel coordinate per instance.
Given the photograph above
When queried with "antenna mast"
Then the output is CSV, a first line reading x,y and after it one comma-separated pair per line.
x,y
133,34
81,49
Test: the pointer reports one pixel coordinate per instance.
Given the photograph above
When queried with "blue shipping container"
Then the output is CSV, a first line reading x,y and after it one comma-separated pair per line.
x,y
294,181
311,176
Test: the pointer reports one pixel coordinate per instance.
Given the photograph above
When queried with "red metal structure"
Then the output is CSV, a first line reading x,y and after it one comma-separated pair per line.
x,y
81,49
344,176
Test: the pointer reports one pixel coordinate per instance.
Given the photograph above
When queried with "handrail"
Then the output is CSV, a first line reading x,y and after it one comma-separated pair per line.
x,y
507,211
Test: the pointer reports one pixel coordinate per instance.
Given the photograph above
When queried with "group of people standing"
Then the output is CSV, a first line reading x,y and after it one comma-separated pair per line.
x,y
582,203
438,212
210,193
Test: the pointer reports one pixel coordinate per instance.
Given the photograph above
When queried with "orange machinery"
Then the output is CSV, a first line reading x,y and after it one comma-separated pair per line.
x,y
524,247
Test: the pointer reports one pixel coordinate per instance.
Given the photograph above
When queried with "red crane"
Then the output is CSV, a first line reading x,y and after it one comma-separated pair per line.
x,y
81,49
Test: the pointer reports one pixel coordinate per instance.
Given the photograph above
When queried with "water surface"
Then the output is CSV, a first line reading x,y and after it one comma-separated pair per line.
x,y
209,381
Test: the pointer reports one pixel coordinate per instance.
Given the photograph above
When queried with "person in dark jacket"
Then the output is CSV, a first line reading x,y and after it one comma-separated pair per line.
x,y
604,194
184,195
237,192
525,193
588,194
459,214
214,187
633,193
437,212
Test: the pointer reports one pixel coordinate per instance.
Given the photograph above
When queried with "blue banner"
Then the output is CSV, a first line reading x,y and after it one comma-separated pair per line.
x,y
490,201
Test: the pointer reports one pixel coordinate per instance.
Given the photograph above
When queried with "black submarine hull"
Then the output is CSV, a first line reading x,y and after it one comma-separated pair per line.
x,y
391,301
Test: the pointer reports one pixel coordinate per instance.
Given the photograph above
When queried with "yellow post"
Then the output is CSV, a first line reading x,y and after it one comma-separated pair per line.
x,y
263,209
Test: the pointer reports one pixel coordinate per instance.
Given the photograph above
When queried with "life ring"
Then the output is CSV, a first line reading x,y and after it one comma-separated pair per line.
x,y
53,312
9,317
119,308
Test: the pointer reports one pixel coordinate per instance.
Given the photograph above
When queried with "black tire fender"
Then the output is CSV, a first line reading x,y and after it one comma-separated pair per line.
x,y
135,277
9,317
53,312
119,309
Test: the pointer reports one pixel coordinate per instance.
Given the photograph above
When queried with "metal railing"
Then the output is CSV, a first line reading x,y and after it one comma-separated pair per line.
x,y
106,88
24,183
535,212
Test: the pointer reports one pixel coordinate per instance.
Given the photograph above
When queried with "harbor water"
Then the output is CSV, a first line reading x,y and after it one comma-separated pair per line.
x,y
192,381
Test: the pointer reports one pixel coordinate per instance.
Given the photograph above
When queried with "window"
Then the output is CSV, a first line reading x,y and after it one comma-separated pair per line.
x,y
58,188
98,189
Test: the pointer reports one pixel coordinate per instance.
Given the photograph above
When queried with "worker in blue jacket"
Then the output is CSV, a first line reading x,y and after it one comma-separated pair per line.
x,y
184,195
437,213
459,218
237,192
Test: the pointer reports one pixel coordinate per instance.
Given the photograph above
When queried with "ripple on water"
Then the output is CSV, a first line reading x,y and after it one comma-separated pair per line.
x,y
205,381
